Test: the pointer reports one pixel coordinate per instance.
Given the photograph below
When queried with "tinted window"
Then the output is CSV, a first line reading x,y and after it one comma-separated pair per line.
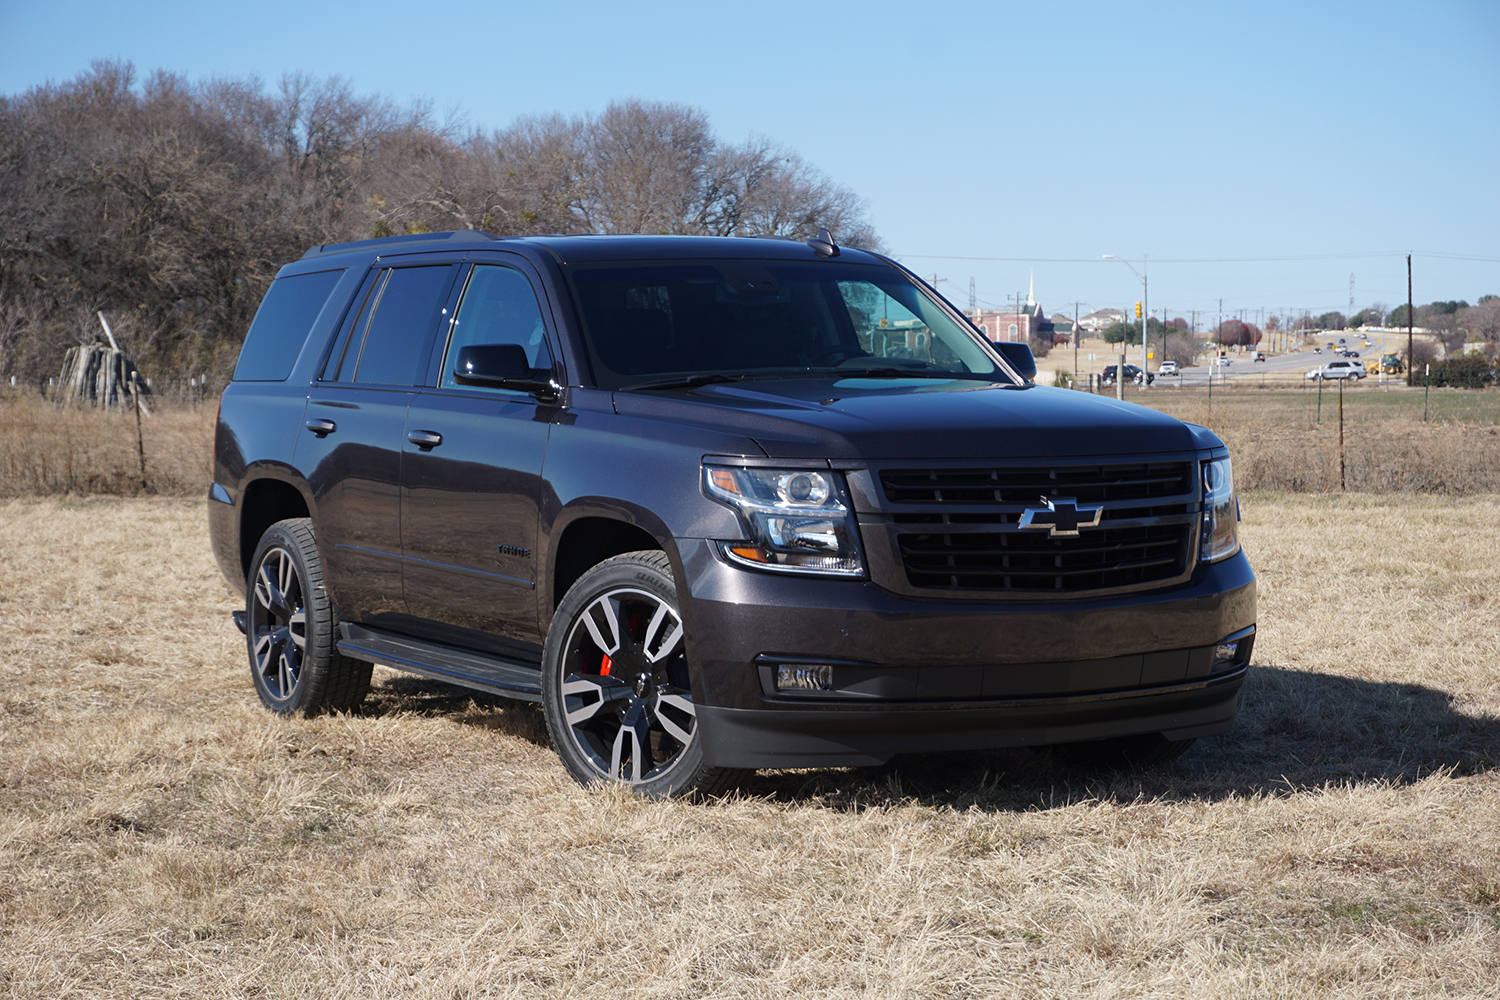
x,y
405,314
765,318
498,307
281,325
341,360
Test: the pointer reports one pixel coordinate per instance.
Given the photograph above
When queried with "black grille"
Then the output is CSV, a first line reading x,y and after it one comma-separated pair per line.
x,y
1144,537
1089,484
1033,561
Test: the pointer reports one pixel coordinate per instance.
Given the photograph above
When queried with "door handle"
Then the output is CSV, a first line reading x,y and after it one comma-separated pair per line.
x,y
425,440
321,427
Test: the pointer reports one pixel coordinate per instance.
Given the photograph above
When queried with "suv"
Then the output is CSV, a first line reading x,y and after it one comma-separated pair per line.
x,y
1168,368
1338,369
718,504
1132,372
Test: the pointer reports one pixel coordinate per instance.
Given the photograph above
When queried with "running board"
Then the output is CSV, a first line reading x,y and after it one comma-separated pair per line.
x,y
510,678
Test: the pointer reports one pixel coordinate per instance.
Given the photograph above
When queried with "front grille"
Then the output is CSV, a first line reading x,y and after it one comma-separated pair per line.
x,y
1033,561
959,529
1089,483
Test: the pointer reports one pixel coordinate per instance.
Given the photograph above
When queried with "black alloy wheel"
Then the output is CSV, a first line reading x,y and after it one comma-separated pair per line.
x,y
291,628
616,689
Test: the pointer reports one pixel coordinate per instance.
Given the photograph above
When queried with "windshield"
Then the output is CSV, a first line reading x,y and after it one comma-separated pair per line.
x,y
650,322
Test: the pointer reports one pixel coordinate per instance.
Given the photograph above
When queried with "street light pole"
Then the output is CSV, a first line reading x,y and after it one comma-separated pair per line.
x,y
1145,308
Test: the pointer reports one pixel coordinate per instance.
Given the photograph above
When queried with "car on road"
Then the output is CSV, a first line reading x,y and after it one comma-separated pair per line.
x,y
1168,368
718,504
1132,373
1338,369
1259,356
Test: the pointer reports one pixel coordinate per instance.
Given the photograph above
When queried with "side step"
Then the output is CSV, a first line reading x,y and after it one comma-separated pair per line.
x,y
510,678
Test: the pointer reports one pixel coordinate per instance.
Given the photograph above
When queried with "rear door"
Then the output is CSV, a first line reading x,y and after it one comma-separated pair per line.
x,y
472,467
354,430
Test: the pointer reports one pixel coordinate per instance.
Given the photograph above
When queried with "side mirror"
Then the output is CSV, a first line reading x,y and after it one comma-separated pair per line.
x,y
503,366
1020,358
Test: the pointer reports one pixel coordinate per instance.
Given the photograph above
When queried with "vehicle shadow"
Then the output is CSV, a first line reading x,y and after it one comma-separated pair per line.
x,y
1296,730
406,694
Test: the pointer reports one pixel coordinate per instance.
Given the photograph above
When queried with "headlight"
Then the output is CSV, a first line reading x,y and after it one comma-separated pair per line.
x,y
798,519
1221,512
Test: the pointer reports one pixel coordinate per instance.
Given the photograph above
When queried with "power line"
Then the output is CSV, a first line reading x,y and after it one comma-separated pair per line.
x,y
1202,260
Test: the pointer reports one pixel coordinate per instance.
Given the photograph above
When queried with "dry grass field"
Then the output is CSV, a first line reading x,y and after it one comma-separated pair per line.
x,y
50,450
162,836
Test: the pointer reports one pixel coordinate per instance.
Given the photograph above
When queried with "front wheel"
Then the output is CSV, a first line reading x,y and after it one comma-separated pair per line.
x,y
616,690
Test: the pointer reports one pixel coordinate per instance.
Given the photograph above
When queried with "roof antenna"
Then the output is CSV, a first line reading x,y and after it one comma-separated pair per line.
x,y
823,244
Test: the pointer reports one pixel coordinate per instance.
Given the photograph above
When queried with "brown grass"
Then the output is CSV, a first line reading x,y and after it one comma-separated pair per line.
x,y
1280,439
161,835
47,450
1395,440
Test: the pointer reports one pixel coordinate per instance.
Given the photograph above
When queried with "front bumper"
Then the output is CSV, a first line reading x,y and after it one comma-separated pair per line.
x,y
918,675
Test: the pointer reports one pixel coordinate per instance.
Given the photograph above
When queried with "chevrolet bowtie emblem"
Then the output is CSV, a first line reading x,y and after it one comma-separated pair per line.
x,y
1062,515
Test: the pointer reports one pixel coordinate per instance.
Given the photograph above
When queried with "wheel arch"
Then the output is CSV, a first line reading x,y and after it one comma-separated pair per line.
x,y
266,501
585,540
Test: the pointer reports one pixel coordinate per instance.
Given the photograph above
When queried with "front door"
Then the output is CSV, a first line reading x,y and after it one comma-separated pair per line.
x,y
472,472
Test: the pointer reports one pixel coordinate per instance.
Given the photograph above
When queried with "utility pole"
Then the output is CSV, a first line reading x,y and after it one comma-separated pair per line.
x,y
1411,361
1076,334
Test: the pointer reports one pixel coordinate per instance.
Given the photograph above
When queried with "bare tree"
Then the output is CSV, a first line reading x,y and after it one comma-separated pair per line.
x,y
1483,323
170,205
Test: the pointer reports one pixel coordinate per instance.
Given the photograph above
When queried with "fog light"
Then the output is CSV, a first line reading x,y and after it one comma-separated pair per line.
x,y
1226,655
804,677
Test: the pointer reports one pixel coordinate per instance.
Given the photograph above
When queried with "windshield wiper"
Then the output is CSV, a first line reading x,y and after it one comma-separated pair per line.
x,y
681,381
907,373
713,378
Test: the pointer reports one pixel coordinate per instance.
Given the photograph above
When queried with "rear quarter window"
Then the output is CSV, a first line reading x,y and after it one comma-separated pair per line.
x,y
281,325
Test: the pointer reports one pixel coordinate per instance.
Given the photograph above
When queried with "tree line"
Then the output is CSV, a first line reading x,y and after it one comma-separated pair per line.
x,y
170,204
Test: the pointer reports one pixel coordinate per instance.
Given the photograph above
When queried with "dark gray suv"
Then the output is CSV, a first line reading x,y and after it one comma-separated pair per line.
x,y
717,504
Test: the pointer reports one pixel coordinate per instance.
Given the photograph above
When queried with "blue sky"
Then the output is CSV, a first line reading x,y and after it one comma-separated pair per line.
x,y
1255,153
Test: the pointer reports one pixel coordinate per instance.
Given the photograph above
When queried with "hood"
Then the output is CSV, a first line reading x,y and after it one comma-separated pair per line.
x,y
914,419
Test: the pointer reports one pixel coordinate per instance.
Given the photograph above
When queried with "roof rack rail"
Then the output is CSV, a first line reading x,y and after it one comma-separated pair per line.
x,y
395,242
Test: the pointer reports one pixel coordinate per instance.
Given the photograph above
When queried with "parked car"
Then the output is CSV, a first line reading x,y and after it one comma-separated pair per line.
x,y
1168,368
1132,372
717,504
1338,369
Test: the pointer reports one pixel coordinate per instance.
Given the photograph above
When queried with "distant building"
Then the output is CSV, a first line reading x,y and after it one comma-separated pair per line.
x,y
1097,322
1019,325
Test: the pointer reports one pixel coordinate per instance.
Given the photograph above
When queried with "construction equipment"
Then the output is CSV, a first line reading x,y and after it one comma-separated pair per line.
x,y
1390,364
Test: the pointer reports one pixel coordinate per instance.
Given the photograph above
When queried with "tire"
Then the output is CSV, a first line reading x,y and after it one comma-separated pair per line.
x,y
616,691
291,628
1118,754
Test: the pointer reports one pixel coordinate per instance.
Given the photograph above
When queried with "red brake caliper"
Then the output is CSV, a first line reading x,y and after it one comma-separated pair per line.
x,y
604,665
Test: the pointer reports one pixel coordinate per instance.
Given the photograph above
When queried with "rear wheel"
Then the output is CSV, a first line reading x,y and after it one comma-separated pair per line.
x,y
616,691
291,628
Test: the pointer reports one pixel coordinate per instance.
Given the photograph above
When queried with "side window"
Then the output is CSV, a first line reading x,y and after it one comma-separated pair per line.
x,y
283,321
498,307
340,364
406,307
